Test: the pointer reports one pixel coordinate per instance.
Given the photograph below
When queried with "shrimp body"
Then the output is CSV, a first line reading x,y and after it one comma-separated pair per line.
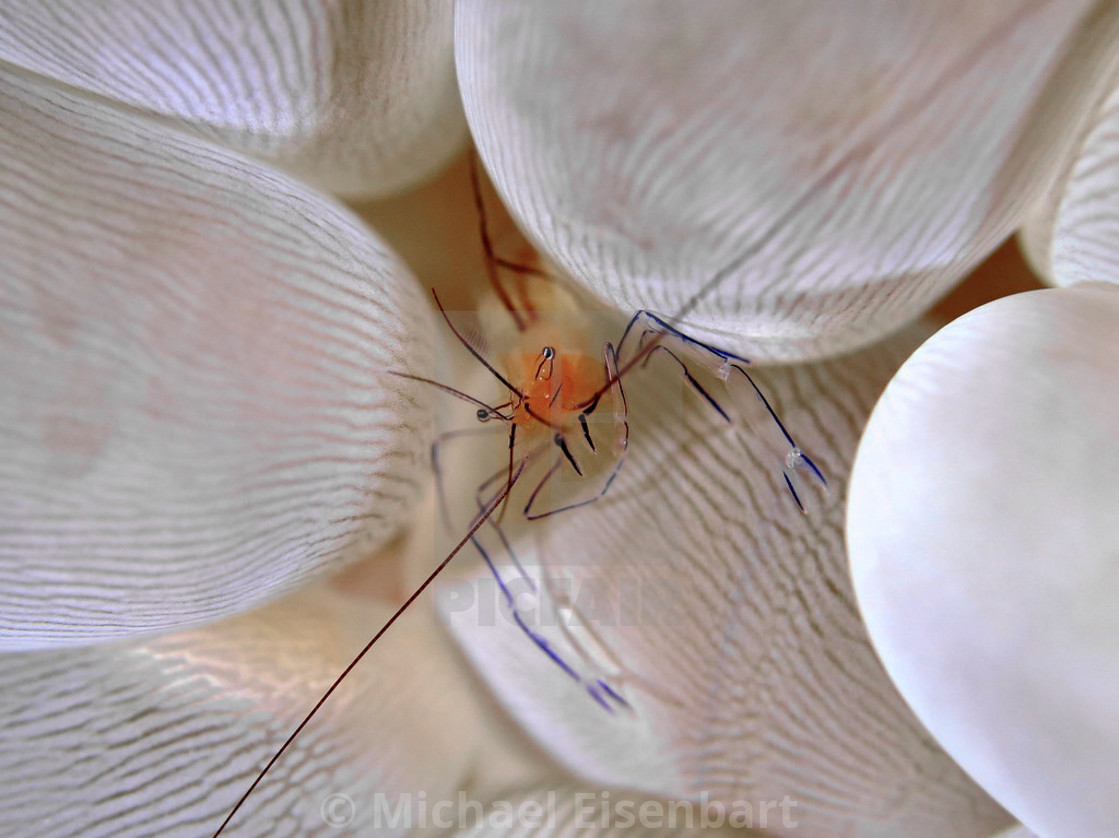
x,y
556,363
564,398
557,385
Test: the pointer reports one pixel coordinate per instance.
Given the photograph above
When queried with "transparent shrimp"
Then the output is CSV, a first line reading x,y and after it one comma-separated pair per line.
x,y
553,400
568,425
565,417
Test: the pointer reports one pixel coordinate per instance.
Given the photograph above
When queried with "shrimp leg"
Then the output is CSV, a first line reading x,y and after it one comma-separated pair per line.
x,y
596,686
646,324
437,467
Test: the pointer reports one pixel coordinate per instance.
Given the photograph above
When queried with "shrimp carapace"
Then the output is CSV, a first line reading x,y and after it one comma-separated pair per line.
x,y
557,383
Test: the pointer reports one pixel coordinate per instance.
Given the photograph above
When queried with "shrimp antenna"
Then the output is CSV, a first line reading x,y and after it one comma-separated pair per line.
x,y
473,351
481,519
466,397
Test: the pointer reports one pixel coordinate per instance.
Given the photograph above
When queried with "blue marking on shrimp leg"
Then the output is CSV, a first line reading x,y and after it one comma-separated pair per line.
x,y
536,638
795,459
769,409
814,469
512,555
699,388
593,692
664,326
612,693
801,457
793,492
545,646
592,688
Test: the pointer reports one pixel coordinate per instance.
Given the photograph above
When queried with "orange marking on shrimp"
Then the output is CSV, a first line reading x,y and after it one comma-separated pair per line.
x,y
557,384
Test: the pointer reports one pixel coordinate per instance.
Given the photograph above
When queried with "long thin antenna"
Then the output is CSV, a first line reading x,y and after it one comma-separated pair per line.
x,y
481,519
466,397
481,358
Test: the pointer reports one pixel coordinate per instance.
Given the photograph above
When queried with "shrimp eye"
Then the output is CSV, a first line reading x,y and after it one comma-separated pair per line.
x,y
483,415
548,352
